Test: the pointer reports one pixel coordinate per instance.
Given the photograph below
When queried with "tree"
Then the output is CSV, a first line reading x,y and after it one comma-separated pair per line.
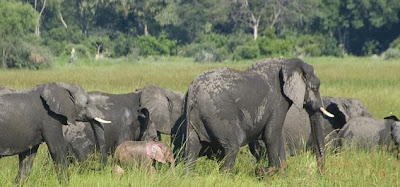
x,y
270,13
200,17
361,26
40,5
37,28
18,19
144,11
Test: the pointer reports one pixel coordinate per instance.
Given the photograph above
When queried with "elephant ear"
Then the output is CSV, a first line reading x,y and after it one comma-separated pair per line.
x,y
392,117
395,132
60,101
155,152
294,86
147,127
155,99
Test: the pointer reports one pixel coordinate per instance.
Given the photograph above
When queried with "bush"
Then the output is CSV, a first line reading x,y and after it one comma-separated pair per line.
x,y
275,47
370,47
249,50
21,54
236,40
218,39
395,44
149,45
205,52
80,50
172,45
309,45
331,47
121,44
391,53
58,38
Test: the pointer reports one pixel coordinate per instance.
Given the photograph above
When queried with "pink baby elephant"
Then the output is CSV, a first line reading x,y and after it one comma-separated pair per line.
x,y
142,154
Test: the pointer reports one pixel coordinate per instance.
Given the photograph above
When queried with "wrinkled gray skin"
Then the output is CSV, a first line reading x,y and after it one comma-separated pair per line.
x,y
369,133
128,122
296,128
29,117
142,153
164,107
226,109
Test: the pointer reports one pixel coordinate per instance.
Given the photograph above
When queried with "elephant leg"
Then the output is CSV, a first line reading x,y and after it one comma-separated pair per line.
x,y
273,138
282,152
257,150
58,152
230,154
254,150
193,147
159,135
25,164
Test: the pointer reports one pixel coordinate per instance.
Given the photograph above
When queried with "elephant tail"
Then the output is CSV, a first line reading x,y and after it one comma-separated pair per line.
x,y
188,106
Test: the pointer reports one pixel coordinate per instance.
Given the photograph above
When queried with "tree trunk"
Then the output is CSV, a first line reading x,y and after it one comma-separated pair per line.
x,y
255,31
84,29
37,29
3,62
62,20
146,31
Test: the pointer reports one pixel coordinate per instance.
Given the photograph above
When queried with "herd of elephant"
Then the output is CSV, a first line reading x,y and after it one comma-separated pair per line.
x,y
274,107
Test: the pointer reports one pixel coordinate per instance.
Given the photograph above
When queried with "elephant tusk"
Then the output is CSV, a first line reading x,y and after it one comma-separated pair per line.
x,y
102,120
326,112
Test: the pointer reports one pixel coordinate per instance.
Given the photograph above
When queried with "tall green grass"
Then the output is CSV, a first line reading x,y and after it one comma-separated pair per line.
x,y
376,83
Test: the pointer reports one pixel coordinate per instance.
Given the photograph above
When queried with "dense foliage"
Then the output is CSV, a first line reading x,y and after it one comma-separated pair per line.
x,y
208,31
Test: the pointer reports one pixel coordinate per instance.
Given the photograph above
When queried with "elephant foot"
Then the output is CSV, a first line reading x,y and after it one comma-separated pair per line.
x,y
265,171
321,164
118,171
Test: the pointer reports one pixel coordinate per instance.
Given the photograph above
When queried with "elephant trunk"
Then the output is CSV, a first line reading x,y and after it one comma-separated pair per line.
x,y
100,141
317,131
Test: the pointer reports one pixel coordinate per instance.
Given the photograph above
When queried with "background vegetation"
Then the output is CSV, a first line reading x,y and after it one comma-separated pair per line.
x,y
33,31
374,82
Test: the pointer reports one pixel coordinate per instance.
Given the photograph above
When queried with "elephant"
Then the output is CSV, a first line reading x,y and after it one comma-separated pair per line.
x,y
225,109
142,153
164,107
30,117
296,128
129,122
369,133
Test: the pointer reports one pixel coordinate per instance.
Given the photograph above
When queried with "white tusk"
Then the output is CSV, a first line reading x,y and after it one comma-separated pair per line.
x,y
102,120
326,112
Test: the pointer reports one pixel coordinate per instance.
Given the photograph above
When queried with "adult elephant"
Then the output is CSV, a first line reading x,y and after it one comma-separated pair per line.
x,y
164,107
226,109
29,117
369,133
297,131
129,122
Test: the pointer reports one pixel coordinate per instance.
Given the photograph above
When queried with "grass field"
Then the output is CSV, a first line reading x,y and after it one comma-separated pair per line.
x,y
376,83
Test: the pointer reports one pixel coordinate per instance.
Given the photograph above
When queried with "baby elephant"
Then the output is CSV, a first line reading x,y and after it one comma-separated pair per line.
x,y
142,154
366,132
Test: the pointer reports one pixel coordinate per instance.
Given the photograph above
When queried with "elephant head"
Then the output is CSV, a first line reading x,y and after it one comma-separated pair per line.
x,y
159,152
344,109
164,106
71,103
394,123
301,87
